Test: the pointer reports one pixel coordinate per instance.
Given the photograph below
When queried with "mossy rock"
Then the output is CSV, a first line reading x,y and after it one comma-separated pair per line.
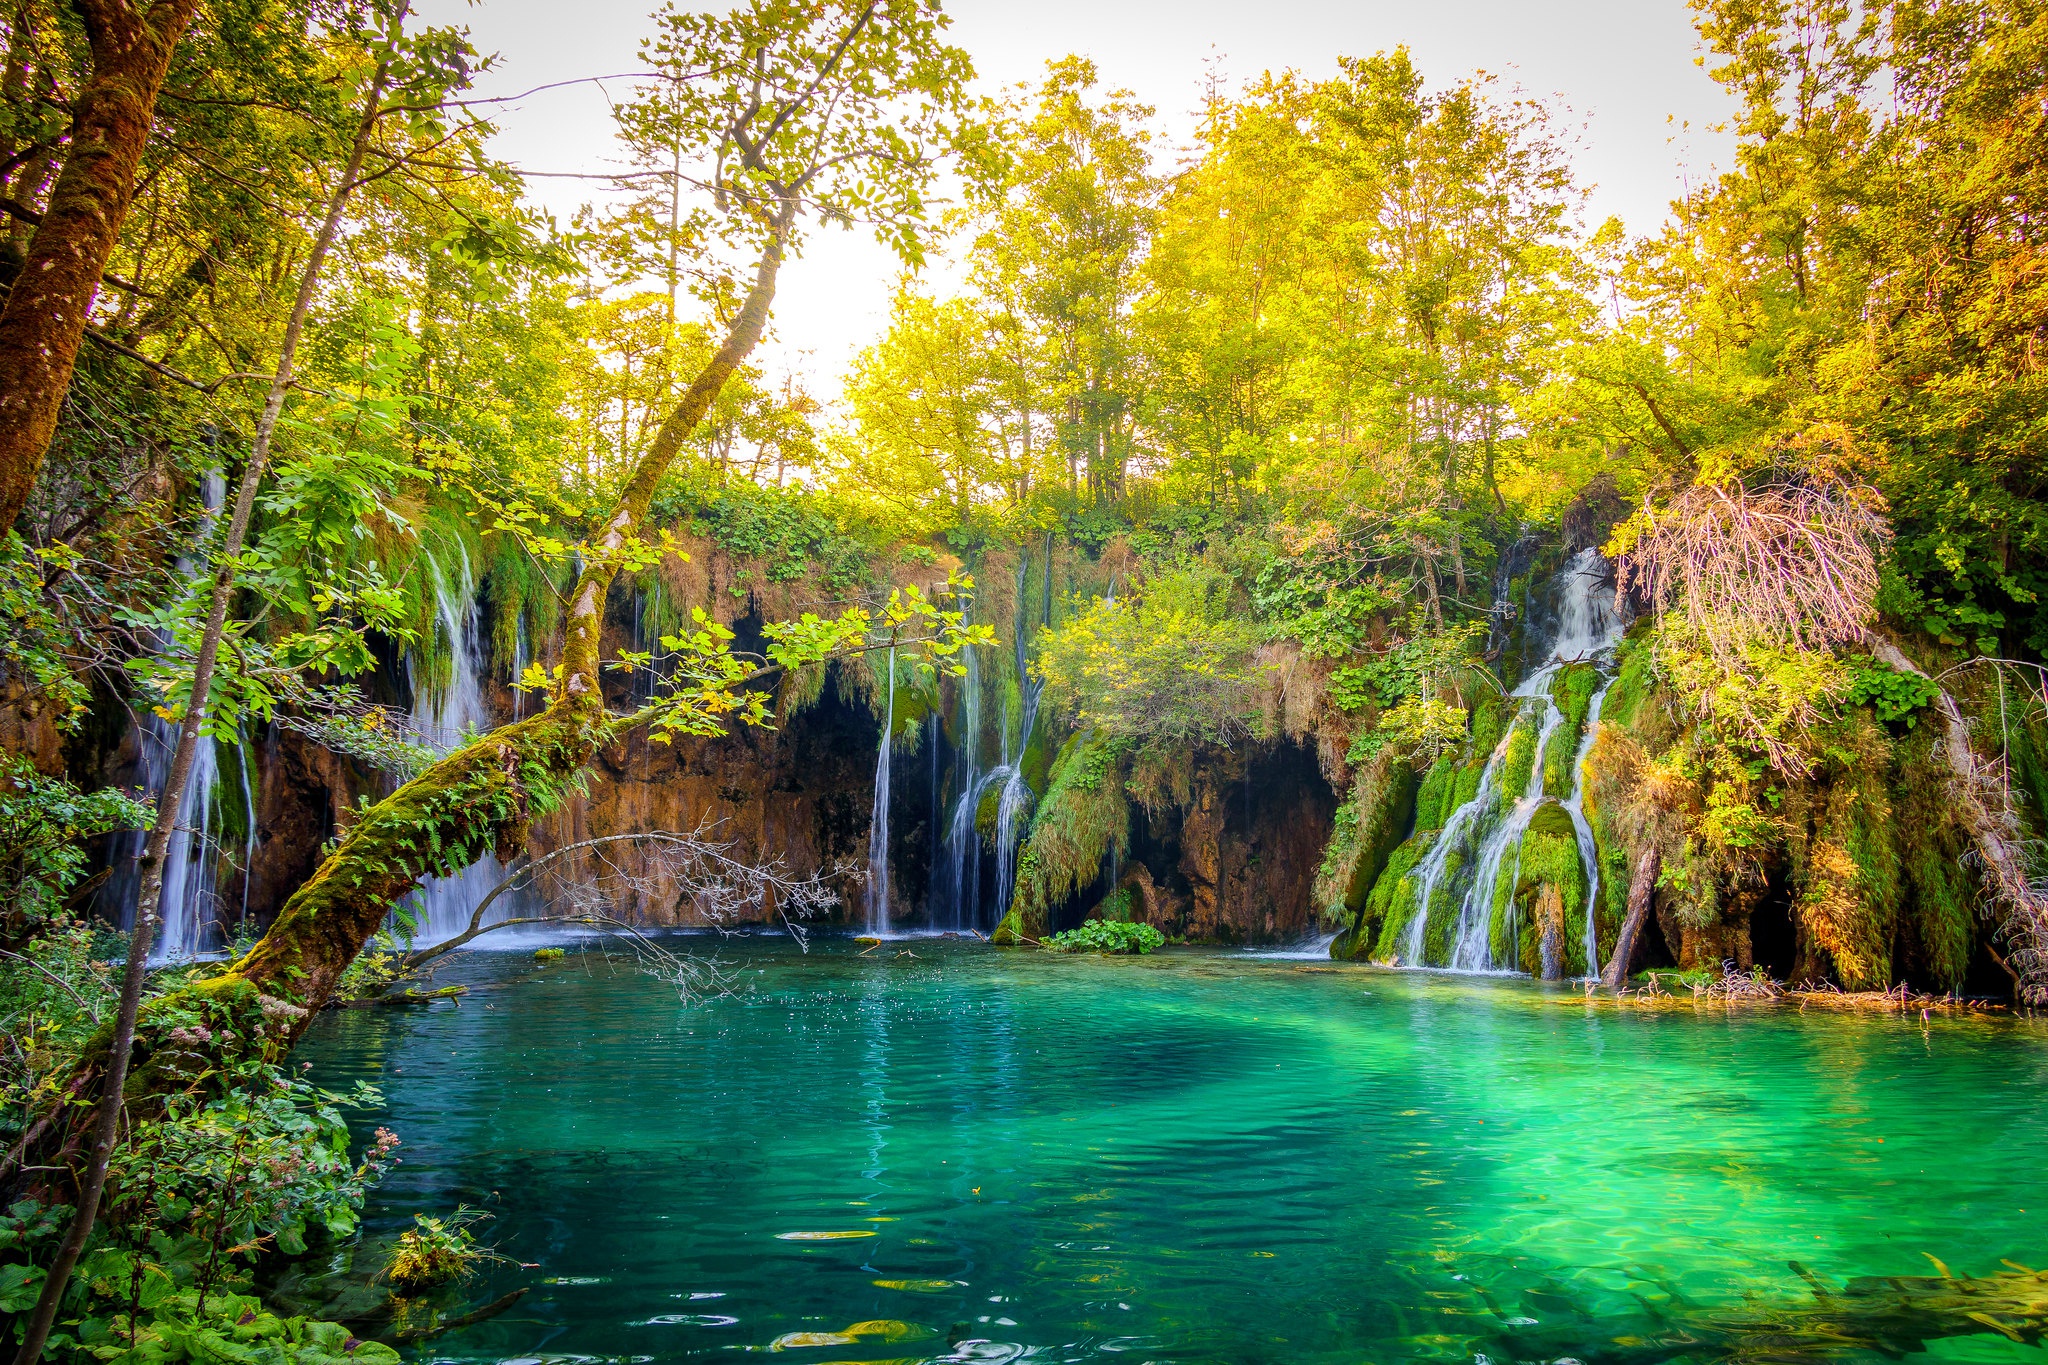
x,y
1572,690
1391,904
1549,856
1366,831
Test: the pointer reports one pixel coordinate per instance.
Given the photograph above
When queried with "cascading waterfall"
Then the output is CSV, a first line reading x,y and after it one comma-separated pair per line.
x,y
1582,829
878,824
522,654
959,897
1013,802
190,903
960,891
1470,856
447,718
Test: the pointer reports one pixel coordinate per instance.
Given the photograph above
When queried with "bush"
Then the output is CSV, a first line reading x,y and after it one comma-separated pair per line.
x,y
1107,936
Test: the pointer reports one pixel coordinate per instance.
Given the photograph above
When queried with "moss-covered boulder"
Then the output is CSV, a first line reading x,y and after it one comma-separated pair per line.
x,y
1367,829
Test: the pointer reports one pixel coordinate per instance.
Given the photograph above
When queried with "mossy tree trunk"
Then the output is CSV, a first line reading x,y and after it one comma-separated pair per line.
x,y
43,322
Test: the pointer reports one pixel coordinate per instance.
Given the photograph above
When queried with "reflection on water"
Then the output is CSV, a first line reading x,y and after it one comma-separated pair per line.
x,y
974,1154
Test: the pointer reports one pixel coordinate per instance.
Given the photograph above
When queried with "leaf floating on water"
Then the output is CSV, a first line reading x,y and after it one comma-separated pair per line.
x,y
790,1341
823,1236
577,1279
920,1286
888,1329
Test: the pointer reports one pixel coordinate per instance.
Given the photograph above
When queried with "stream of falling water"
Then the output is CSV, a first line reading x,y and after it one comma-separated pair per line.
x,y
190,905
1472,850
960,891
447,717
958,902
878,823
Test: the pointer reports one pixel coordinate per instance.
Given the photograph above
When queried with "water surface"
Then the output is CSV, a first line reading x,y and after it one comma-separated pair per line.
x,y
1189,1157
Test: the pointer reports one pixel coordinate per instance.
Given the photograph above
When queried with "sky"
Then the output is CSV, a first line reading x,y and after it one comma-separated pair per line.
x,y
1645,112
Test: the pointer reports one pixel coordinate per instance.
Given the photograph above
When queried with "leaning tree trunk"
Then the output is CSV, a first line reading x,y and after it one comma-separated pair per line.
x,y
1642,889
483,797
45,315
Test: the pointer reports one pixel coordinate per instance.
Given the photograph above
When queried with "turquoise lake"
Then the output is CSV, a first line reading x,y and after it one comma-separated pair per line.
x,y
977,1154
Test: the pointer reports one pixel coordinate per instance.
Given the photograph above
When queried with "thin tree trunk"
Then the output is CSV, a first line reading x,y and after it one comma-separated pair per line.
x,y
44,319
107,1119
1641,891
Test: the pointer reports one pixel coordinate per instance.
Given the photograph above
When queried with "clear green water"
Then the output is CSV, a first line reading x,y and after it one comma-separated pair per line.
x,y
1191,1157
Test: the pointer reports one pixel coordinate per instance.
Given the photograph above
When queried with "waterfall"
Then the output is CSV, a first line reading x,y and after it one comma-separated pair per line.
x,y
961,888
448,718
190,922
958,894
1575,806
878,823
1471,852
1014,801
192,858
522,654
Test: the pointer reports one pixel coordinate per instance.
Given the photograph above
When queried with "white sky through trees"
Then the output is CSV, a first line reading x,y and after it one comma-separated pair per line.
x,y
1626,69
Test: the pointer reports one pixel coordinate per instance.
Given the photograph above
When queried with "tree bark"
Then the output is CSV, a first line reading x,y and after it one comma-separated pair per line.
x,y
44,318
1642,890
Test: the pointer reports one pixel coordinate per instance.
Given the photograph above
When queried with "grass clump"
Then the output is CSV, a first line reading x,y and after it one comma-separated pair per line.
x,y
1107,936
547,954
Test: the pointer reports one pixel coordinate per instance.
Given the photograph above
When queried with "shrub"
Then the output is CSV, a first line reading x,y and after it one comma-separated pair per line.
x,y
1107,936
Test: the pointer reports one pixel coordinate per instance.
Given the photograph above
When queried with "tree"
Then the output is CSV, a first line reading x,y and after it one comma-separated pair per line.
x,y
51,297
839,110
420,71
930,431
1065,200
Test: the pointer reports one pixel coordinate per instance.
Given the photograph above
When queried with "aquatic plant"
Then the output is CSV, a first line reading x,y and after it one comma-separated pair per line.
x,y
1107,936
434,1252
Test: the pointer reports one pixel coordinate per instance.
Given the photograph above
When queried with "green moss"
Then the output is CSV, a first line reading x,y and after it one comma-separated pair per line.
x,y
1365,833
1550,857
1938,895
1846,873
1391,903
1520,760
1572,690
1444,902
1084,815
1490,720
1636,701
1433,803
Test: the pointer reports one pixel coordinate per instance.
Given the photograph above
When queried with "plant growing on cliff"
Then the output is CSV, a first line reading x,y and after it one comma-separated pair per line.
x,y
1757,588
1170,661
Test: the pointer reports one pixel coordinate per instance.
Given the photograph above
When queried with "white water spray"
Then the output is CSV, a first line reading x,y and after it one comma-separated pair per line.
x,y
448,718
190,905
878,823
1488,828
